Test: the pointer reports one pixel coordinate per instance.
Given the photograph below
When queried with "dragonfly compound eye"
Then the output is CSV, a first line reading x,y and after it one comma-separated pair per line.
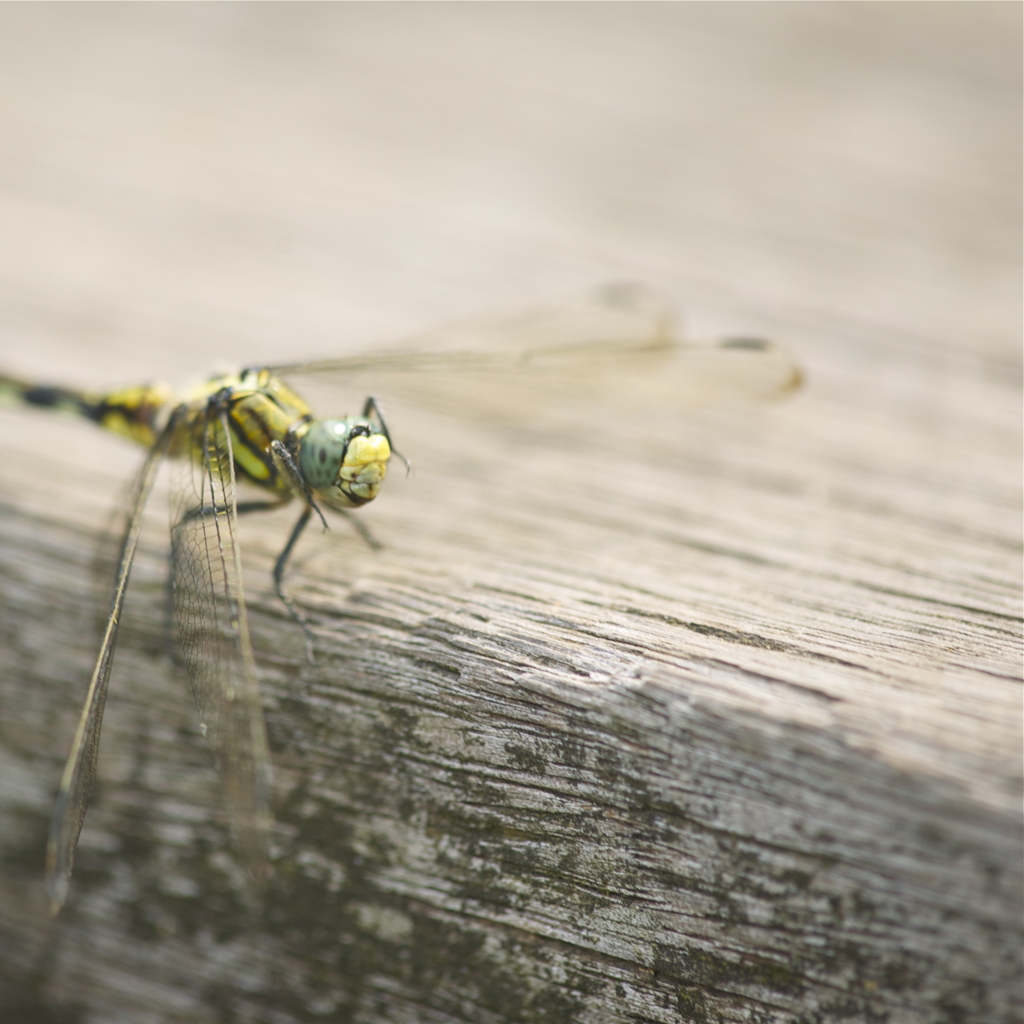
x,y
344,461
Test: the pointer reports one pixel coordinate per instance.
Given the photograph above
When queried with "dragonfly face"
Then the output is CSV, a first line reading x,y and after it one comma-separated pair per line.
x,y
344,461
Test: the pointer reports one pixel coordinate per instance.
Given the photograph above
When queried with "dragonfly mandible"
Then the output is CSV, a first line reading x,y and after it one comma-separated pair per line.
x,y
254,428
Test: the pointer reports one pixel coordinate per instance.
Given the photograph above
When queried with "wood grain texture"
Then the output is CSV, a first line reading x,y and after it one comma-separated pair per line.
x,y
640,715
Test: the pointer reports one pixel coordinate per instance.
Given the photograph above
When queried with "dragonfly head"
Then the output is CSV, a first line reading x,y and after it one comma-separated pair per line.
x,y
344,461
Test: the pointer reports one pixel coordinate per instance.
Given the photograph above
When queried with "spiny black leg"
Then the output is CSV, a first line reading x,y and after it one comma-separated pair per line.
x,y
371,406
241,509
299,482
279,567
362,529
244,507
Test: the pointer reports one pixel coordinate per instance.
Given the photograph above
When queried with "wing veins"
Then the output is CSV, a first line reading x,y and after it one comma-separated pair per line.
x,y
80,770
213,622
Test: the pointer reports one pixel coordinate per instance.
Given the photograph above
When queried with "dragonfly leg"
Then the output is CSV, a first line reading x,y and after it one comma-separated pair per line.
x,y
371,405
299,482
362,529
279,567
282,564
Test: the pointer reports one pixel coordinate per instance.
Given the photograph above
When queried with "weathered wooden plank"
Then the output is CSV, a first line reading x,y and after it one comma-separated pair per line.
x,y
651,717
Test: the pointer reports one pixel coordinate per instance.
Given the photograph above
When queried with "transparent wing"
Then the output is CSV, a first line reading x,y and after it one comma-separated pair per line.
x,y
619,342
80,770
213,630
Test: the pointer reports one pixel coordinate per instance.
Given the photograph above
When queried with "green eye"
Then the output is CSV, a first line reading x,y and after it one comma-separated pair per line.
x,y
323,450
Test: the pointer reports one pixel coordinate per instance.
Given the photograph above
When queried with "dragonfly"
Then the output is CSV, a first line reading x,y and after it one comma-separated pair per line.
x,y
251,431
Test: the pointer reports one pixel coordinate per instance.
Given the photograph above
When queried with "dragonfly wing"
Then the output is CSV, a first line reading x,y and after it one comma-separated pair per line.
x,y
80,770
618,343
630,316
213,630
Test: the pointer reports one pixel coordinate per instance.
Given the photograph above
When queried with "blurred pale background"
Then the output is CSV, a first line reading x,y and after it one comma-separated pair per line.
x,y
192,187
